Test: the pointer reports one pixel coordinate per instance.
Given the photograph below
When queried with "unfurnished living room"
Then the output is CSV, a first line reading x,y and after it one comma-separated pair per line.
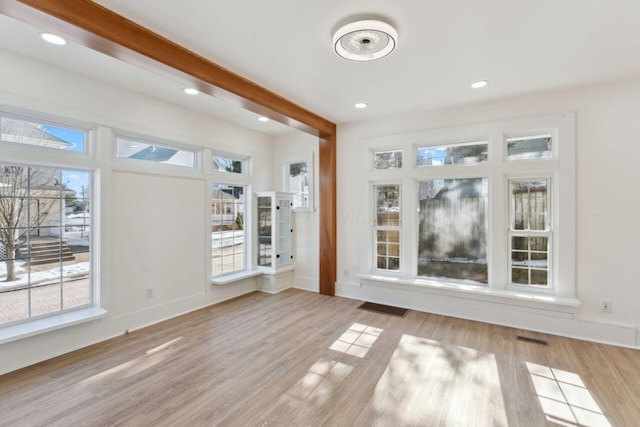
x,y
336,213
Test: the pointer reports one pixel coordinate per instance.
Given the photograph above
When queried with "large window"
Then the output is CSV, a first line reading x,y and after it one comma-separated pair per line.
x,y
45,240
497,213
452,228
228,239
387,227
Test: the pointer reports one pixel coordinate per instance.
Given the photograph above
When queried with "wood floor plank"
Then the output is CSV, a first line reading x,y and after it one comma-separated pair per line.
x,y
298,358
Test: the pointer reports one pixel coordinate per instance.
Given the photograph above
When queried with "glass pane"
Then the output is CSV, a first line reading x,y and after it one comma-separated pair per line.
x,y
452,232
127,148
14,303
227,229
382,263
298,183
382,249
520,276
475,152
387,159
46,299
76,281
530,147
387,205
539,277
394,250
34,133
394,264
227,164
529,204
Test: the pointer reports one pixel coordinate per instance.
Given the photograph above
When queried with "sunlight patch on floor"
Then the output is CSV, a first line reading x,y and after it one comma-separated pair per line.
x,y
320,380
428,383
357,340
137,365
564,398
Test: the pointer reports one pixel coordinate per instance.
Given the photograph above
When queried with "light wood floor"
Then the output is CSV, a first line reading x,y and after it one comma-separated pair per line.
x,y
302,359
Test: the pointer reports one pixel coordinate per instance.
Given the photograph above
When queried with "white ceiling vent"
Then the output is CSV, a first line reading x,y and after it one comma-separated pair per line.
x,y
365,40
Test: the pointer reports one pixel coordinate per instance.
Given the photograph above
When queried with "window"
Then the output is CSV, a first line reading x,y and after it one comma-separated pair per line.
x,y
387,227
298,179
228,164
452,229
496,214
529,147
473,152
529,231
35,132
387,159
228,239
152,152
45,240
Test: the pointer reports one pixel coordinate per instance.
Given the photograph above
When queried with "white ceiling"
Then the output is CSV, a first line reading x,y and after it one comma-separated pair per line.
x,y
519,46
285,45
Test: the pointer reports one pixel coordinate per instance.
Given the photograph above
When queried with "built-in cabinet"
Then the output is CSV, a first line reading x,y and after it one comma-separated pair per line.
x,y
275,257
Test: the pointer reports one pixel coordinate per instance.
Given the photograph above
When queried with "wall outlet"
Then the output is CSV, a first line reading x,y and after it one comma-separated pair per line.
x,y
605,306
149,292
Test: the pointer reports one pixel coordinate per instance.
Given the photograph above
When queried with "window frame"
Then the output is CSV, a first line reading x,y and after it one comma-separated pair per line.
x,y
560,168
247,256
85,161
376,228
287,161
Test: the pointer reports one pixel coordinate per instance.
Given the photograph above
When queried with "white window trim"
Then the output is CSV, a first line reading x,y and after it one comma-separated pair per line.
x,y
85,161
561,169
375,228
304,157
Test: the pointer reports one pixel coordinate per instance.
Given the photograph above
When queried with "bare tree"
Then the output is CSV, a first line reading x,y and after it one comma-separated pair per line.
x,y
22,187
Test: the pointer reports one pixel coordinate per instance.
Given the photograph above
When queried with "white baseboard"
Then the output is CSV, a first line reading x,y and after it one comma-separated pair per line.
x,y
307,283
496,313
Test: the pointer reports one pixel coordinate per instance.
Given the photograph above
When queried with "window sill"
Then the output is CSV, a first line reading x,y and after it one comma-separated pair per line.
x,y
547,302
48,324
230,278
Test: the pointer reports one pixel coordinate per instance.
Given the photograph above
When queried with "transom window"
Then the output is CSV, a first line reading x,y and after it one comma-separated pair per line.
x,y
151,152
390,159
39,133
454,154
228,164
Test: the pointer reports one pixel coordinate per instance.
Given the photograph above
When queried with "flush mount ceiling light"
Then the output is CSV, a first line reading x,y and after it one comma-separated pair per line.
x,y
366,40
53,39
360,105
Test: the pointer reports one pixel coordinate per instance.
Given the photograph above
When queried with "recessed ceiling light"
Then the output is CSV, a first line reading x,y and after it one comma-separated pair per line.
x,y
366,40
191,91
53,39
479,84
360,105
263,119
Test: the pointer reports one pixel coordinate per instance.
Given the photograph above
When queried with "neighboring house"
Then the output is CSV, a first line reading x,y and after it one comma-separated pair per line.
x,y
225,207
20,131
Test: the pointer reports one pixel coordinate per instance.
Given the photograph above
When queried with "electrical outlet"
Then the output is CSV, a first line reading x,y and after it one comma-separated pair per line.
x,y
605,306
149,292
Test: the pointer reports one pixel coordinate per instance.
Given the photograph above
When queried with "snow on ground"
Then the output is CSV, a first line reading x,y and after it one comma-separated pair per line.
x,y
223,239
40,277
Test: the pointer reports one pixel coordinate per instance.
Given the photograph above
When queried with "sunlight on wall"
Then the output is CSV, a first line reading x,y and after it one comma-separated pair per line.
x,y
357,340
421,372
564,398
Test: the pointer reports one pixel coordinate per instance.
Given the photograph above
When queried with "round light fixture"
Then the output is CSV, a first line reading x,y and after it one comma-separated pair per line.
x,y
263,119
479,84
191,91
53,39
366,40
360,105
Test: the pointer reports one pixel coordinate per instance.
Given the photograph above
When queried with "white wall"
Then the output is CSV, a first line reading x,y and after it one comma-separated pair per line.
x,y
306,274
154,225
608,203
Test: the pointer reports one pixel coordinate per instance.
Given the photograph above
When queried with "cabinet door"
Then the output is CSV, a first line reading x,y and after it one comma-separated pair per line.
x,y
265,229
284,231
